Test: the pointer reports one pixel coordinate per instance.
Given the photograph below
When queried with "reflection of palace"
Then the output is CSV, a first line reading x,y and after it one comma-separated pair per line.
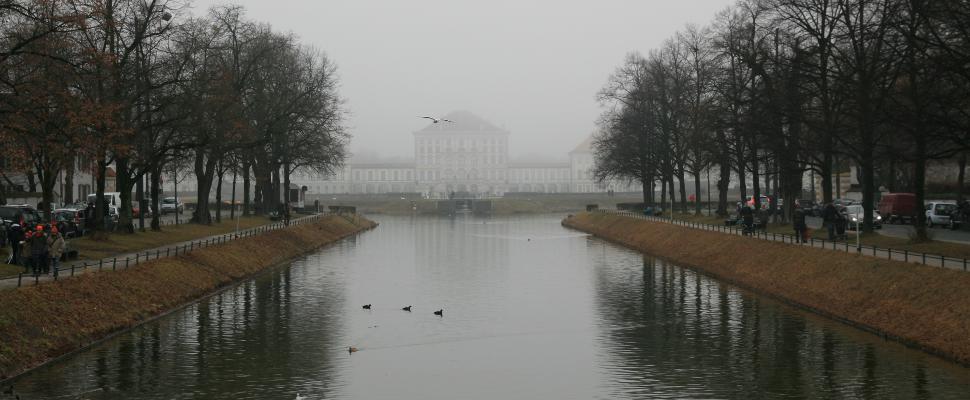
x,y
470,155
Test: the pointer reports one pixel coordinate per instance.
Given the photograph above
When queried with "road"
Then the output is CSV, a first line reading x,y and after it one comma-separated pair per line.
x,y
906,231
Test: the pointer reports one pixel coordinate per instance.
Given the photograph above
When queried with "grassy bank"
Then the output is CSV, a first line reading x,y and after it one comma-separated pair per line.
x,y
920,306
90,248
43,322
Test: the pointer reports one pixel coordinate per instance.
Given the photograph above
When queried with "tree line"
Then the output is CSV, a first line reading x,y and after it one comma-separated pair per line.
x,y
772,89
150,89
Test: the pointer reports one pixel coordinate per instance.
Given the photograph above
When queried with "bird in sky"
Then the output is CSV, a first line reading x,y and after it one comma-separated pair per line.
x,y
437,120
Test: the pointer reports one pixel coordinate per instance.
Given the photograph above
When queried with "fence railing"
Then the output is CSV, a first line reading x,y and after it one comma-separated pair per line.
x,y
928,259
131,260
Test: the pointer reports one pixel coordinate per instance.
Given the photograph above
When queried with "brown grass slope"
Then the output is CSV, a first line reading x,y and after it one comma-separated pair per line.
x,y
43,322
920,306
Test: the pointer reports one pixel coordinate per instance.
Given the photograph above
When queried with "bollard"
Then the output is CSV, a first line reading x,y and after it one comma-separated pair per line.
x,y
114,264
72,270
20,277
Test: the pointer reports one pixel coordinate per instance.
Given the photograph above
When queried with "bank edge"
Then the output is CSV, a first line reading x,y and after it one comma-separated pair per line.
x,y
921,307
41,324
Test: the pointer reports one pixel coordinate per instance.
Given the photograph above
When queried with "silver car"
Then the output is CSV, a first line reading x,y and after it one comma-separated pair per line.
x,y
855,214
172,205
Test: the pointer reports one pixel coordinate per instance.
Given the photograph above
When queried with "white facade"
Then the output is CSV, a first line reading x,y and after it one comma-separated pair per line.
x,y
83,182
468,157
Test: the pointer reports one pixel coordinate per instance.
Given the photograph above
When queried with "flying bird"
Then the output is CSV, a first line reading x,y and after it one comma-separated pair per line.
x,y
439,313
366,306
437,120
408,308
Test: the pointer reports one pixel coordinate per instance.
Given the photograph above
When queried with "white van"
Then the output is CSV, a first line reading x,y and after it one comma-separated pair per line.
x,y
113,198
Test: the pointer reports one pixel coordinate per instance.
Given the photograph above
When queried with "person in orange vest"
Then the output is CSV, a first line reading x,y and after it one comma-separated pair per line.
x,y
38,250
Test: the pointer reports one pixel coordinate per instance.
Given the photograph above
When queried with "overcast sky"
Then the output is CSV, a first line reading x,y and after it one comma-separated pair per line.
x,y
533,66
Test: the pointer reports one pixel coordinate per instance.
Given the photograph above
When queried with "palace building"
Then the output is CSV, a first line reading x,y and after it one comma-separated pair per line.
x,y
470,157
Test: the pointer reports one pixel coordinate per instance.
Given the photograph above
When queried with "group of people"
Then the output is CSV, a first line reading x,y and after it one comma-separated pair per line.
x,y
836,221
37,249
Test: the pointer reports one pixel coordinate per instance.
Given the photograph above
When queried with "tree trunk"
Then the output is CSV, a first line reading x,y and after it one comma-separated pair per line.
x,y
646,186
837,168
232,207
826,171
220,173
961,177
142,206
31,182
123,181
69,182
683,192
100,211
156,192
48,180
246,182
697,190
919,167
204,173
755,180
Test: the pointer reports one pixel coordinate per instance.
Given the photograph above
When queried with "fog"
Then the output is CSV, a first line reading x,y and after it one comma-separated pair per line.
x,y
533,67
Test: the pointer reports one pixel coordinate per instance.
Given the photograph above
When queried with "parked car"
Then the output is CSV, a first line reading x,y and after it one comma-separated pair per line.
x,y
855,214
171,205
940,213
898,207
70,221
136,208
24,215
810,207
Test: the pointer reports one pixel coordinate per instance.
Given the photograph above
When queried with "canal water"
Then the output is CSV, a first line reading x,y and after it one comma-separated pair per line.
x,y
530,311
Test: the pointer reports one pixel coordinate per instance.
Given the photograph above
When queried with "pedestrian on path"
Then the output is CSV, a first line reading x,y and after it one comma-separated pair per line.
x,y
15,235
56,243
798,222
38,251
830,217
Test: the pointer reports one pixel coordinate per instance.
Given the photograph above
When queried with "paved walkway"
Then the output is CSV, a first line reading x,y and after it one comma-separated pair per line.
x,y
932,260
123,261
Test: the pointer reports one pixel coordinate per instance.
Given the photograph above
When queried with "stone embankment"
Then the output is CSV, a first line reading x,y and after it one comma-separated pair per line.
x,y
923,307
41,323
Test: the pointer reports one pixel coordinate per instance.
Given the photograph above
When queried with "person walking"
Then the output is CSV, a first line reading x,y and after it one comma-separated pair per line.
x,y
56,244
798,222
830,217
747,220
15,235
38,250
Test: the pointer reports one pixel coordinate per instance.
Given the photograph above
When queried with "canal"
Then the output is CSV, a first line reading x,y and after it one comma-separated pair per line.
x,y
530,311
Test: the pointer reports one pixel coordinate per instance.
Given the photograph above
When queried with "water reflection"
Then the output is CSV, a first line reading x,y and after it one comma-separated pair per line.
x,y
531,311
669,332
